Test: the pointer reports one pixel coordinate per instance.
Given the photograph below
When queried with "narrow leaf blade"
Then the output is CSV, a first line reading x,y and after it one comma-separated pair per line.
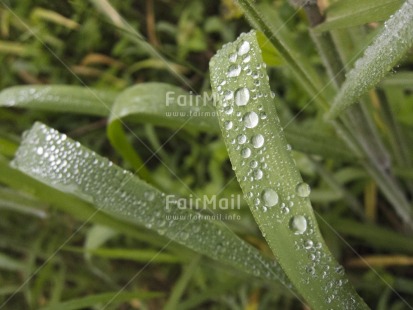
x,y
268,177
61,163
379,58
350,13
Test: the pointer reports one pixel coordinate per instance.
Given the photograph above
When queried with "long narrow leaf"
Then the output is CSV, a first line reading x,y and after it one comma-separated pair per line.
x,y
379,58
167,106
59,98
350,13
267,174
59,162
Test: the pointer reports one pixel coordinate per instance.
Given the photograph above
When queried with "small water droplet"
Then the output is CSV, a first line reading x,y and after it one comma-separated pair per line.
x,y
308,244
250,119
228,110
244,48
242,96
228,95
246,152
39,150
303,190
258,174
298,224
228,125
270,197
234,70
233,57
149,195
241,139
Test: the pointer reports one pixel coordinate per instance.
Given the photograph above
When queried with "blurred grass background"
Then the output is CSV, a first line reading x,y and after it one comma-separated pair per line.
x,y
80,43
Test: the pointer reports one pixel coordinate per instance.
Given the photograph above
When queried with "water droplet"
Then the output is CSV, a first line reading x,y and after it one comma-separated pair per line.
x,y
303,190
250,119
298,224
311,270
149,195
228,125
257,141
263,115
242,96
228,95
246,152
233,57
308,244
39,150
234,70
241,139
258,174
228,110
244,48
270,197
254,164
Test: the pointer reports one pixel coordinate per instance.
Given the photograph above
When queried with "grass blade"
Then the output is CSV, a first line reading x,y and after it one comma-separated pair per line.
x,y
379,58
104,298
350,13
269,179
61,163
265,19
139,105
59,98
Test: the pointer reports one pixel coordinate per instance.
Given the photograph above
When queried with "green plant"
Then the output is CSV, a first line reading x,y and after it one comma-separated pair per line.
x,y
363,143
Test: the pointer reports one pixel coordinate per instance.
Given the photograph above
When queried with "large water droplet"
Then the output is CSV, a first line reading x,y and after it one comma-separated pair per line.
x,y
298,224
257,141
244,48
303,190
242,96
250,119
270,197
234,70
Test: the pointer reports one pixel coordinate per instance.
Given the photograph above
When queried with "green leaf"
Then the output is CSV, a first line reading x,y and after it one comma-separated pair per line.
x,y
142,256
160,104
104,298
400,79
379,58
10,264
350,13
59,98
269,179
156,103
269,53
61,163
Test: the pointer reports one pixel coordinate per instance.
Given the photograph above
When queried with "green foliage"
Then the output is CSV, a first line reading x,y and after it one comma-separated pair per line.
x,y
119,78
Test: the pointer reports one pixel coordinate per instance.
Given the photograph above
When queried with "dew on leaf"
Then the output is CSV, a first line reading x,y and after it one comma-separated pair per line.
x,y
303,190
242,96
250,119
257,141
270,197
298,224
